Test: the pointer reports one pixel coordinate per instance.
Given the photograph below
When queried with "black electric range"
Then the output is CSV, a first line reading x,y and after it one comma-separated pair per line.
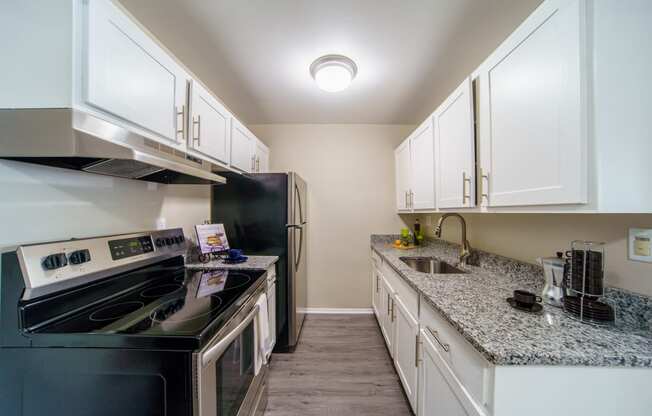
x,y
122,325
162,306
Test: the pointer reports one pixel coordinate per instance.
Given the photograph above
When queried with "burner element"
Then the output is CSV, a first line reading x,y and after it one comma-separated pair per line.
x,y
113,312
158,291
170,310
235,280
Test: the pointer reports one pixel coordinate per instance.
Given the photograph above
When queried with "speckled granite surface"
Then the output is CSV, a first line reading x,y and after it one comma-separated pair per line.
x,y
252,263
474,303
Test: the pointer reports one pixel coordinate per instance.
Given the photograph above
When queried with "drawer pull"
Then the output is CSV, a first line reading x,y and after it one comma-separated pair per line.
x,y
435,335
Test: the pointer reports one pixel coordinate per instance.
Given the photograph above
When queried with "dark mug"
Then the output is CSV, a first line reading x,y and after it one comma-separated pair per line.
x,y
235,254
526,299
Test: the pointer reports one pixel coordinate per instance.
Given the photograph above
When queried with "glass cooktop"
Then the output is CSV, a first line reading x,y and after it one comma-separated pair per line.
x,y
174,302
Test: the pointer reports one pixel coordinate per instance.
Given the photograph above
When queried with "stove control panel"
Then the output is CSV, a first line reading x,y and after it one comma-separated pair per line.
x,y
50,266
130,247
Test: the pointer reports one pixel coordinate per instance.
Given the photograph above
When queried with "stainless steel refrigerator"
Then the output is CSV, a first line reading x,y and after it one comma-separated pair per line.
x,y
266,214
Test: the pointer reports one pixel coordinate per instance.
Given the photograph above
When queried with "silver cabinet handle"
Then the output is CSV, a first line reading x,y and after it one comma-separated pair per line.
x,y
407,200
216,350
393,310
411,199
257,164
253,163
388,306
465,197
416,351
483,177
377,283
435,335
183,114
198,124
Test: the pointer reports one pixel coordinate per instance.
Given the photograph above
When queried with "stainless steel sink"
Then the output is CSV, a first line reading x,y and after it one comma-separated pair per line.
x,y
430,265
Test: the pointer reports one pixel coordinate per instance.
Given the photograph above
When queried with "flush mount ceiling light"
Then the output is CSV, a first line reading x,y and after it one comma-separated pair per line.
x,y
333,73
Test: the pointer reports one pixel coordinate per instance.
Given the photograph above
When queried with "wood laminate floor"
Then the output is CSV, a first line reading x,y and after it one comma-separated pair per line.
x,y
340,367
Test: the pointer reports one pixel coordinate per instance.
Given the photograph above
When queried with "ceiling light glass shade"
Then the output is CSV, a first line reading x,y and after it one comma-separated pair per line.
x,y
333,73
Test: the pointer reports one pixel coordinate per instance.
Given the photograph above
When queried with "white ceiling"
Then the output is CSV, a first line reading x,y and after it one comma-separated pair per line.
x,y
255,54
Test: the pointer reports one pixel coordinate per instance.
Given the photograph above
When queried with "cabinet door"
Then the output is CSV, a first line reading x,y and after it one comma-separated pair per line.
x,y
537,137
387,314
128,76
455,140
242,147
271,311
375,288
440,393
209,130
405,358
423,167
262,157
402,166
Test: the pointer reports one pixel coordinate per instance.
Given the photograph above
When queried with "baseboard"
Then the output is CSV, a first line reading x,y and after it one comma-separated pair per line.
x,y
341,311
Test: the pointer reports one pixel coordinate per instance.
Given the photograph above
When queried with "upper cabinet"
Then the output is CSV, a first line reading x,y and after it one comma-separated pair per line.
x,y
261,161
551,121
402,166
210,128
93,57
242,147
127,75
537,152
455,154
414,163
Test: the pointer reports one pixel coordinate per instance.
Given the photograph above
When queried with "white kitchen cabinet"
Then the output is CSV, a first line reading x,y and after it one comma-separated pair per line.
x,y
242,147
414,162
209,125
375,284
128,76
537,115
440,393
403,171
386,319
422,157
455,154
261,161
271,303
405,357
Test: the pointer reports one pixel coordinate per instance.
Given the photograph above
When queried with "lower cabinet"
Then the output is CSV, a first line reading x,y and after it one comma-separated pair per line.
x,y
271,303
386,314
444,375
440,392
407,341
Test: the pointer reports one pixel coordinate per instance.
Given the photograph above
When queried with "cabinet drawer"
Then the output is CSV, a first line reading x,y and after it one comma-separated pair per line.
x,y
402,289
472,370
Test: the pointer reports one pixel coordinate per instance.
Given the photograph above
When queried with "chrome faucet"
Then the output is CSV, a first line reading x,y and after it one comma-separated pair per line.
x,y
465,251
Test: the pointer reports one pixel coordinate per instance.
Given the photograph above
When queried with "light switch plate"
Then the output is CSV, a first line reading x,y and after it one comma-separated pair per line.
x,y
640,244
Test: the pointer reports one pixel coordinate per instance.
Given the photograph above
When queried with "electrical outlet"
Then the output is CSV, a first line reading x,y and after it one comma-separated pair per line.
x,y
640,244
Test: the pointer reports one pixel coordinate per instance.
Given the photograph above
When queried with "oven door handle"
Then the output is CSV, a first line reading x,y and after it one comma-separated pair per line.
x,y
218,349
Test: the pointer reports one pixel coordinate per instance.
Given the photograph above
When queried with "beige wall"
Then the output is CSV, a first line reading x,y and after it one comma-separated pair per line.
x,y
528,236
350,175
39,203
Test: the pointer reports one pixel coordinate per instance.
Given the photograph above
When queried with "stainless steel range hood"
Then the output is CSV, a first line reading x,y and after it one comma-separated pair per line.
x,y
72,139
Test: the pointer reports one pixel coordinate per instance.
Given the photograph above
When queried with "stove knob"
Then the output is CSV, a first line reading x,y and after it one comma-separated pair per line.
x,y
55,261
80,256
169,241
178,239
159,242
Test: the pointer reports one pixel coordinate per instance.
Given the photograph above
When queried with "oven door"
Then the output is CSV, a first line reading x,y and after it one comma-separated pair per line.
x,y
224,377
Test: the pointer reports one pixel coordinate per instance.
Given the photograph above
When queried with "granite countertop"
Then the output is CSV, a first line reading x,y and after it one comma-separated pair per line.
x,y
252,263
474,304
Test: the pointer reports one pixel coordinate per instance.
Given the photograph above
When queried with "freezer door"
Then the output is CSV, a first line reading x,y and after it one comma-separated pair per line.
x,y
297,254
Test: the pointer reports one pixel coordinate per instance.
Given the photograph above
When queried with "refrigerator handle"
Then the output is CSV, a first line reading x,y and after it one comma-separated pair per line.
x,y
298,226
